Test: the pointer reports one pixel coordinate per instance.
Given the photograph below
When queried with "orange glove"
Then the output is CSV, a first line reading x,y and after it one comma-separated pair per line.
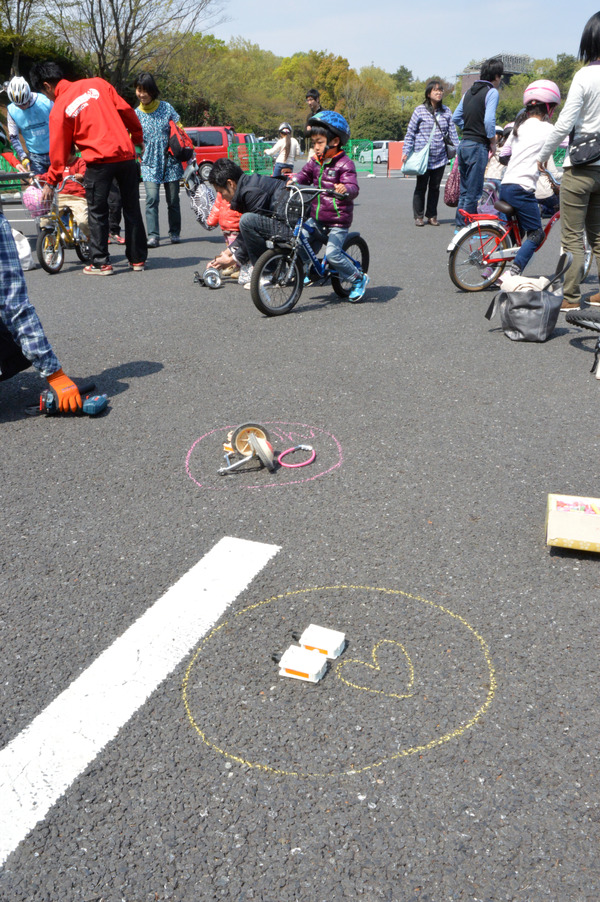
x,y
67,393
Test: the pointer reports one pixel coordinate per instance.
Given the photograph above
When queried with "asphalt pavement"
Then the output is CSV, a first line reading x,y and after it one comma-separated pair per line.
x,y
451,752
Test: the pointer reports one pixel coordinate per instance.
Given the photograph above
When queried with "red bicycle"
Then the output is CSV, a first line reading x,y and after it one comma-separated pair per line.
x,y
481,250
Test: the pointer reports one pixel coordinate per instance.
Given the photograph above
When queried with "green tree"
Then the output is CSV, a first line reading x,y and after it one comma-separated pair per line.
x,y
114,38
372,123
403,78
18,18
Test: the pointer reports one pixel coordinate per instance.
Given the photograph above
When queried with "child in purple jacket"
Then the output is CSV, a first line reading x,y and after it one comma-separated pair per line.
x,y
331,218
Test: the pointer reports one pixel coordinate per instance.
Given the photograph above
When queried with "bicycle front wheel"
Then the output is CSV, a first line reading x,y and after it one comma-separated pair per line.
x,y
466,265
50,251
277,282
357,249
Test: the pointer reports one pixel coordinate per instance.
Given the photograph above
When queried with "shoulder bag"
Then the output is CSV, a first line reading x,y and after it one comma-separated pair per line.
x,y
452,187
180,145
530,310
450,147
417,161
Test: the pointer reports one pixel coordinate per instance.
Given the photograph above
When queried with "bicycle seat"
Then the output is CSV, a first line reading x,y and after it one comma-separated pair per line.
x,y
505,208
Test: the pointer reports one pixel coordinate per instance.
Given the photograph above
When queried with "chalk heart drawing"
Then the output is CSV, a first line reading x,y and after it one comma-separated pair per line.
x,y
415,675
206,456
380,673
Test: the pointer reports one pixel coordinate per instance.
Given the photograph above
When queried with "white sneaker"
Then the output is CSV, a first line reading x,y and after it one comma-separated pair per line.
x,y
245,274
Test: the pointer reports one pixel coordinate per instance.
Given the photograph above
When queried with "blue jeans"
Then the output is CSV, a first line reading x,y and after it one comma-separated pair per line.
x,y
39,162
530,221
173,208
334,236
472,160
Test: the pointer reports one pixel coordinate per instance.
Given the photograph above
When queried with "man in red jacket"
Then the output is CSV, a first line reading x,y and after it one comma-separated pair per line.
x,y
91,114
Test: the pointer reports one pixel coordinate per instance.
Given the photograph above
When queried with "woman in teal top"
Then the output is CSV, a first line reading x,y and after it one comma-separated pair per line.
x,y
158,166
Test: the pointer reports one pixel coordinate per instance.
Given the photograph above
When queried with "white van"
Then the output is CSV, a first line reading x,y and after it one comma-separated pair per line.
x,y
380,153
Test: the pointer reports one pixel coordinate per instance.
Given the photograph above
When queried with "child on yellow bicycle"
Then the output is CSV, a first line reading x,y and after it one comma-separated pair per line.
x,y
331,168
72,194
532,127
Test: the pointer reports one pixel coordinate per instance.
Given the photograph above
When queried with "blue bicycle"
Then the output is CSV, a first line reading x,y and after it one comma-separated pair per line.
x,y
278,275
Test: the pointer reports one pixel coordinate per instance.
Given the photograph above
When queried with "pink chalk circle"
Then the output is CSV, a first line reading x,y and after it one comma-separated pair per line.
x,y
204,472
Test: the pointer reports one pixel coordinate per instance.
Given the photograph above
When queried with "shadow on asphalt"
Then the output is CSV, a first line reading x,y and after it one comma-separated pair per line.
x,y
23,390
374,295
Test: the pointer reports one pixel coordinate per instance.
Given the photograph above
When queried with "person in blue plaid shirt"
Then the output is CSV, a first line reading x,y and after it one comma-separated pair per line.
x,y
22,338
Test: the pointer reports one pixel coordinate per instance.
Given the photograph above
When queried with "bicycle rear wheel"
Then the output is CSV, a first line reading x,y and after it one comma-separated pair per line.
x,y
466,266
82,249
277,282
358,250
50,251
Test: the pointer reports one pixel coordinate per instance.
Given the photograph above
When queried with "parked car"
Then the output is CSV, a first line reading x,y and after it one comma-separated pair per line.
x,y
380,153
211,143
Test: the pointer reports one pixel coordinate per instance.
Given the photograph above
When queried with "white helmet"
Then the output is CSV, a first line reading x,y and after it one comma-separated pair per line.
x,y
286,128
18,91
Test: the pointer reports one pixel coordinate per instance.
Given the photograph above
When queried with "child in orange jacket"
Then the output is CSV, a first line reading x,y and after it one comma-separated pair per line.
x,y
229,221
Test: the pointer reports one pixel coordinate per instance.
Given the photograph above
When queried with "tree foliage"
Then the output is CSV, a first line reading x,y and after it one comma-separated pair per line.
x,y
115,38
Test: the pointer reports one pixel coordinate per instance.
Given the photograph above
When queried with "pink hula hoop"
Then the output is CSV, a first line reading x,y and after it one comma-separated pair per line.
x,y
303,463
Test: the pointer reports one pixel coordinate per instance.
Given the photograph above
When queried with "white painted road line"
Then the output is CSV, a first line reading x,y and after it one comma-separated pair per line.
x,y
48,755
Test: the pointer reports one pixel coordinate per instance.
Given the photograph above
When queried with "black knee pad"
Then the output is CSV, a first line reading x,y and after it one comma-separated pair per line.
x,y
536,237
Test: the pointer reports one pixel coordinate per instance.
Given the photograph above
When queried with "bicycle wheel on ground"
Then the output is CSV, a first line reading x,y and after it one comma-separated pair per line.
x,y
240,439
82,249
358,251
466,266
277,282
50,251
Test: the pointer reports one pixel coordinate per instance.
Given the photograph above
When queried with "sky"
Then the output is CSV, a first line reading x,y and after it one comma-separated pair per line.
x,y
392,33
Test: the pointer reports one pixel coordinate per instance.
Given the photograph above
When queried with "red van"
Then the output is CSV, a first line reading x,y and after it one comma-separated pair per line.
x,y
211,143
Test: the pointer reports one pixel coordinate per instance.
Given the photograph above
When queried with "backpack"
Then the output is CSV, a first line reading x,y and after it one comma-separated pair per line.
x,y
180,144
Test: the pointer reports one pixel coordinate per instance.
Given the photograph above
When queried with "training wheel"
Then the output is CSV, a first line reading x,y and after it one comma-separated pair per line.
x,y
212,278
240,439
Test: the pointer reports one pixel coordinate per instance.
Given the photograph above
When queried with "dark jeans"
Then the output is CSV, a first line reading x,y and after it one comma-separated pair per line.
x,y
472,160
97,181
256,228
114,209
432,179
530,221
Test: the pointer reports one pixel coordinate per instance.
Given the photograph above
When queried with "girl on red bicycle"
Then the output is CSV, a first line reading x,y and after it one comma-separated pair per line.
x,y
532,127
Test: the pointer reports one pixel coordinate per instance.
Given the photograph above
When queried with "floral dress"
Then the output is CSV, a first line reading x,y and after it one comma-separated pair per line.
x,y
157,165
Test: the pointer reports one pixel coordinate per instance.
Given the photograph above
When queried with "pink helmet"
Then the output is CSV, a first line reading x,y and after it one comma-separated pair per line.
x,y
32,200
541,91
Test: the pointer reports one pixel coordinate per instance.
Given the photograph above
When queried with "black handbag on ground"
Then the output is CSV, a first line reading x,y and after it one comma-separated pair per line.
x,y
531,315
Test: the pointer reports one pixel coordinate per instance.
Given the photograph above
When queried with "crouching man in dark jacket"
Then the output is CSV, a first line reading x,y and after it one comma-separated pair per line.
x,y
261,201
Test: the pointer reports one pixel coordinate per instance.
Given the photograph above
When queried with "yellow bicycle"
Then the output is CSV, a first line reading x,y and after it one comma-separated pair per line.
x,y
59,230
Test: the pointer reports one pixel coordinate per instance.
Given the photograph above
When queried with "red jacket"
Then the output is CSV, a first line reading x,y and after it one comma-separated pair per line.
x,y
222,214
90,113
76,168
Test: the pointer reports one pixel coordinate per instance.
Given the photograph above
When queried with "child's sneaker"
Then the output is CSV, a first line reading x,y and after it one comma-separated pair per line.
x,y
245,274
92,270
358,288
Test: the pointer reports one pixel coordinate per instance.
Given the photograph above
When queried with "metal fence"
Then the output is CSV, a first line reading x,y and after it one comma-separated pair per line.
x,y
252,157
362,154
